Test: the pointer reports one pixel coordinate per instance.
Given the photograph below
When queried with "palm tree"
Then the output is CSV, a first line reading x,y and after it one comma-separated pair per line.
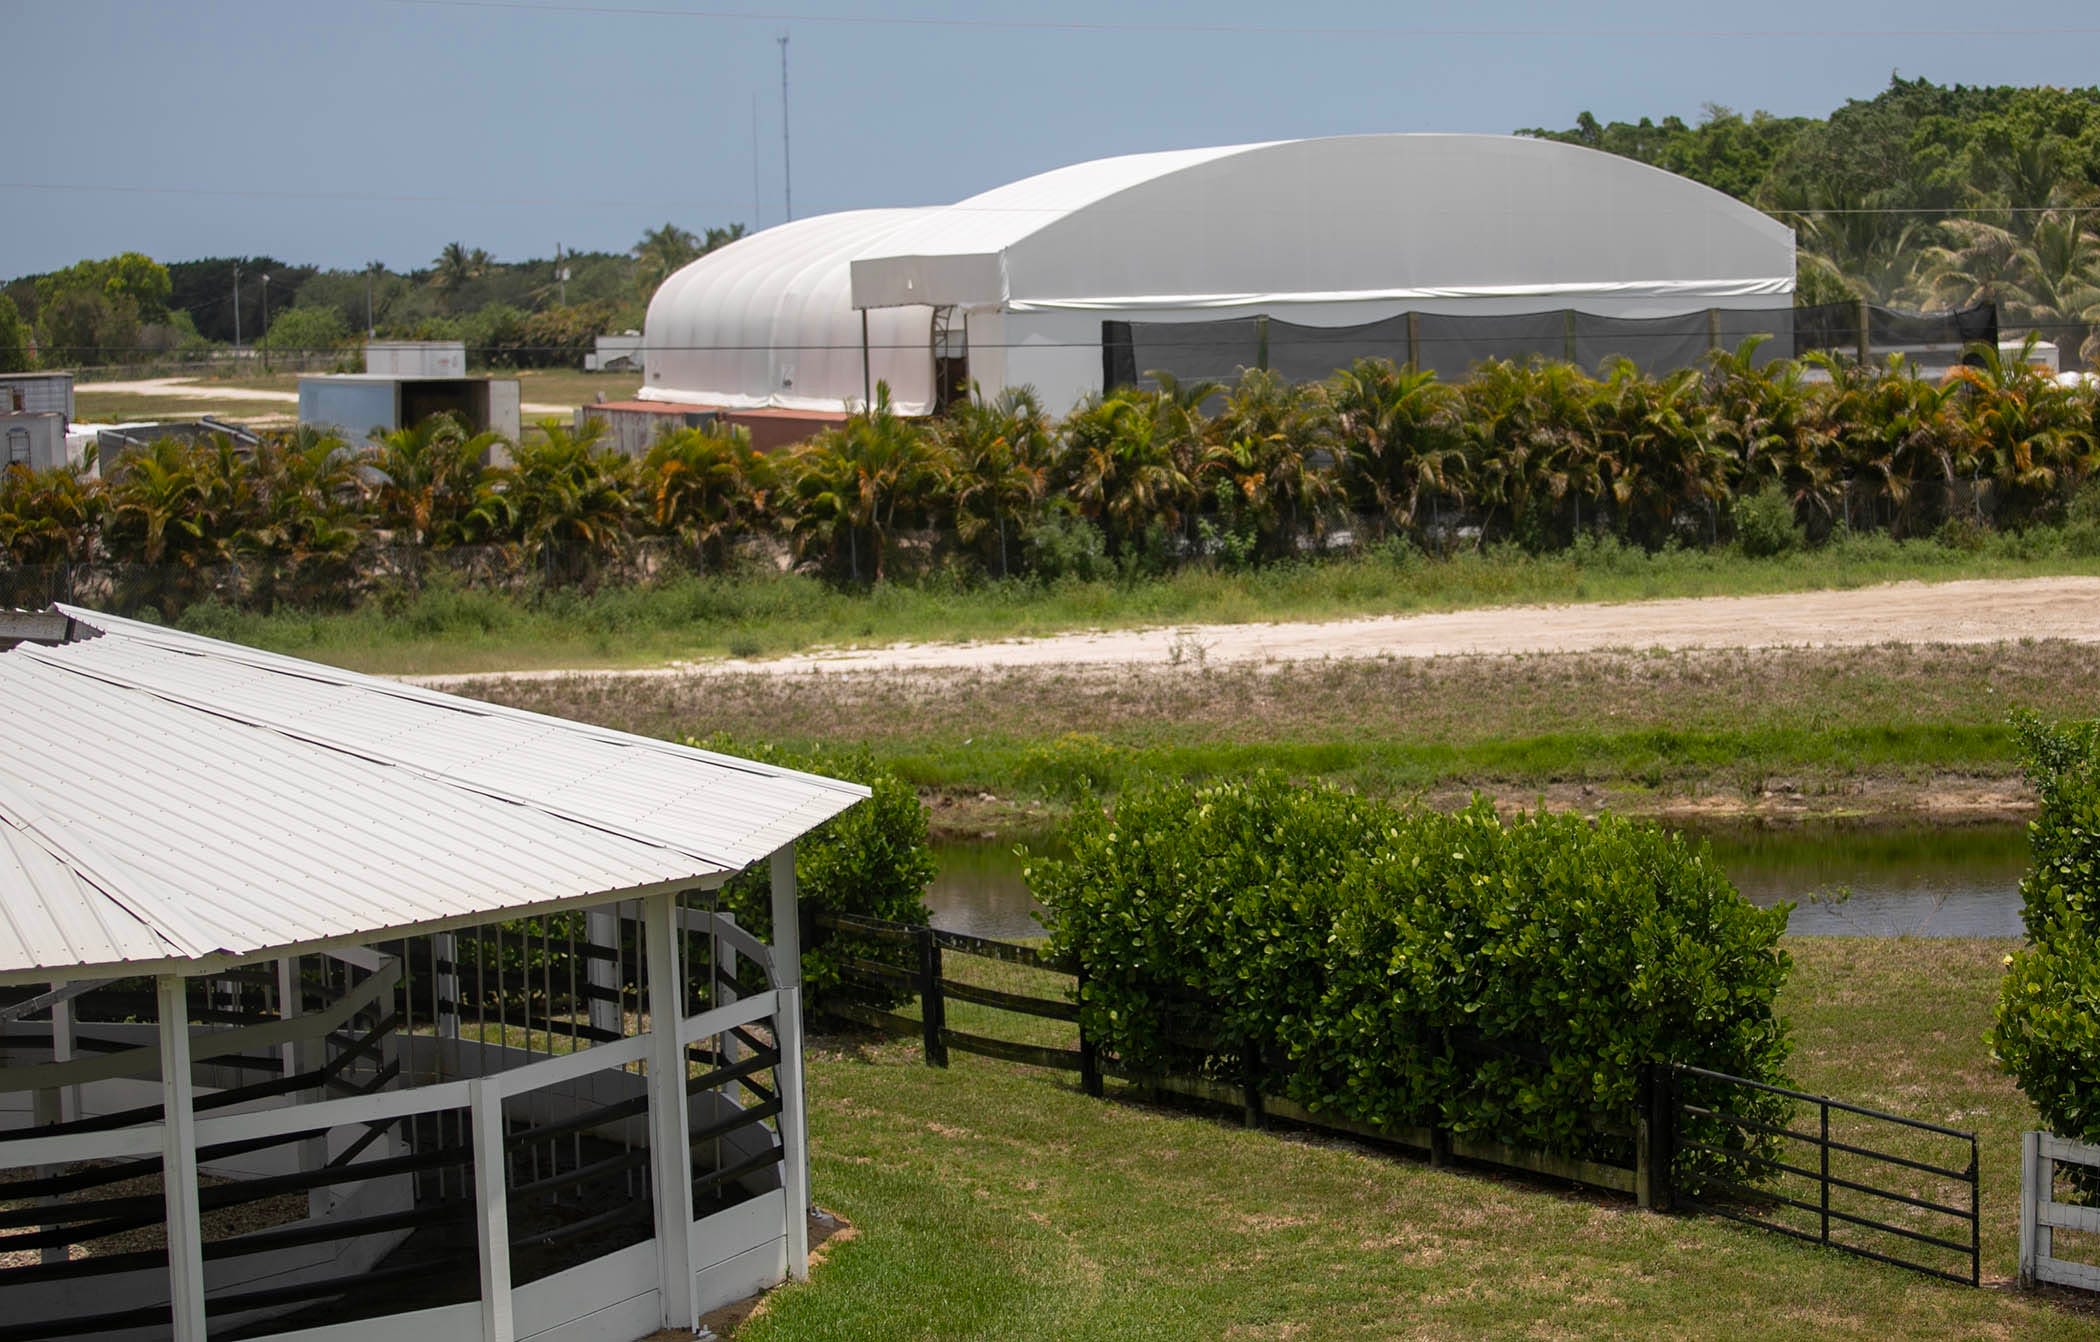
x,y
1766,422
1395,438
1657,452
49,517
998,456
1897,434
2033,437
457,265
1528,440
1269,457
1122,473
566,497
856,485
429,479
707,489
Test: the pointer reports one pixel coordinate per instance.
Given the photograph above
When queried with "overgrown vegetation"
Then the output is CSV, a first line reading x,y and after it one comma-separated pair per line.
x,y
2048,1028
1348,954
1132,484
1924,194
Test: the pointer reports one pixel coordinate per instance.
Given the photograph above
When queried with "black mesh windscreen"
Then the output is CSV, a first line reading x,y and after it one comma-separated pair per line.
x,y
1453,345
1309,353
1192,351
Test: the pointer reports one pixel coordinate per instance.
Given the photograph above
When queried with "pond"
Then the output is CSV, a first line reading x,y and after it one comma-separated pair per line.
x,y
1846,881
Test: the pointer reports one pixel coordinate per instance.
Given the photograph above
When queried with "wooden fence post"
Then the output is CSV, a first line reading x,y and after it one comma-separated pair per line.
x,y
1089,1052
1250,1086
932,1010
2032,1194
1662,1130
1644,1137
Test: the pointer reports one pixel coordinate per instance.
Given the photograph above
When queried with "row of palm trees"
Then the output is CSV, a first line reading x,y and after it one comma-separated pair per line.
x,y
1261,470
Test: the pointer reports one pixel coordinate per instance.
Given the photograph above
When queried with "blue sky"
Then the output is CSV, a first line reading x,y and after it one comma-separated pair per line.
x,y
342,131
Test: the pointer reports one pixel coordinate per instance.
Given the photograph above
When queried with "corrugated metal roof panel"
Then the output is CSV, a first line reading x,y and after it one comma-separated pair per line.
x,y
165,795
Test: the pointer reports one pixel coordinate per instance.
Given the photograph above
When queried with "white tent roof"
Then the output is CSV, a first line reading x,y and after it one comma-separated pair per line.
x,y
768,322
1391,217
167,800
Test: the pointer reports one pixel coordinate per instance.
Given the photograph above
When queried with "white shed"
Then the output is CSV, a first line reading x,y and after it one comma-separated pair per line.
x,y
1014,286
335,1007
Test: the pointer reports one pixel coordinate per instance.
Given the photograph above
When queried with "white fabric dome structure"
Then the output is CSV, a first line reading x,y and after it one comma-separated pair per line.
x,y
1012,287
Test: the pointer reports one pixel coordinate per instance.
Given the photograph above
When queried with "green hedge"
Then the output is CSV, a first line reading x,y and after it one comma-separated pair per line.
x,y
874,860
2048,1028
1344,944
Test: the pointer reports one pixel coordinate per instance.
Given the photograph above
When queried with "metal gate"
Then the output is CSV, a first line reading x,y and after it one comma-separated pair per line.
x,y
1897,1190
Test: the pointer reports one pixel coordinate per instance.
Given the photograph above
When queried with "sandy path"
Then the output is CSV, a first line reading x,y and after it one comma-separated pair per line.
x,y
189,389
1983,611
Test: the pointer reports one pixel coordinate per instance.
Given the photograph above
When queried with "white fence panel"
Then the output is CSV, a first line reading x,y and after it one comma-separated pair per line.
x,y
2041,1215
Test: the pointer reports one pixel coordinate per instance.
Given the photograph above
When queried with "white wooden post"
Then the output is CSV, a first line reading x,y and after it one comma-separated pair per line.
x,y
62,1051
787,1030
492,1212
2034,1190
179,1165
59,1105
670,1157
601,927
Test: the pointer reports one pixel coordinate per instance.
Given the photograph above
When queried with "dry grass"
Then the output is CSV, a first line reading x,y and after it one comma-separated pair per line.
x,y
1788,732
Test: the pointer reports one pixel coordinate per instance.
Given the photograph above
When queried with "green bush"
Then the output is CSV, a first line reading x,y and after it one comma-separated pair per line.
x,y
1361,955
2047,1033
874,860
1765,524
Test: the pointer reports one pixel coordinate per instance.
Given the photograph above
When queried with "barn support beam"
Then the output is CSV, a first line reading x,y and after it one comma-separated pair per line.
x,y
670,1158
179,1164
794,1118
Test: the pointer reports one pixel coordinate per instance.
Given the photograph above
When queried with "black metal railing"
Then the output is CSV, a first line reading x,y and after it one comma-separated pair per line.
x,y
1915,1207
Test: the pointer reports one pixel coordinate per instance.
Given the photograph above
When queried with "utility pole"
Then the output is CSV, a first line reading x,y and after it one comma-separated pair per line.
x,y
561,276
370,329
262,337
236,307
787,153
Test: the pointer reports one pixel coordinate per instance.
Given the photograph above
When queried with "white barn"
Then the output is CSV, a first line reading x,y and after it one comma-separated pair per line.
x,y
1013,286
333,1008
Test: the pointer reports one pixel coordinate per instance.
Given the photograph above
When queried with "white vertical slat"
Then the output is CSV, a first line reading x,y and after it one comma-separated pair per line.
x,y
670,1159
787,1027
601,927
179,1165
288,1004
445,946
794,1132
492,1212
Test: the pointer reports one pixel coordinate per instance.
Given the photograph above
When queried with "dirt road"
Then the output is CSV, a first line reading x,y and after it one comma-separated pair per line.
x,y
189,389
1984,611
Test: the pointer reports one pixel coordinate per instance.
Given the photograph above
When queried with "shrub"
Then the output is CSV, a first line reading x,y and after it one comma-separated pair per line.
x,y
1765,524
1359,956
2047,1033
873,860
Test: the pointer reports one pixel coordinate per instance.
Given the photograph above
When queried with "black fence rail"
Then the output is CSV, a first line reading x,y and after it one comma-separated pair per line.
x,y
885,964
1838,1186
1694,1139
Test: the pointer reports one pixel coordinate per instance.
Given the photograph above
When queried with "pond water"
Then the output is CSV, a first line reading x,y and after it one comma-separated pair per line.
x,y
1843,880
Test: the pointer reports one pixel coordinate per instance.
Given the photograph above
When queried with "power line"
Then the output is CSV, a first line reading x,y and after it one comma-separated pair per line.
x,y
396,197
1944,211
1232,29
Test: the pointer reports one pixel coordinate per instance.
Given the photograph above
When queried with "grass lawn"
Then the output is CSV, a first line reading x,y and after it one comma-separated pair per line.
x,y
993,1201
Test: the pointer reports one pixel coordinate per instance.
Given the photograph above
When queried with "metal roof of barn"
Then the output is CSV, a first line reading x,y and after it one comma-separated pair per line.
x,y
168,799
